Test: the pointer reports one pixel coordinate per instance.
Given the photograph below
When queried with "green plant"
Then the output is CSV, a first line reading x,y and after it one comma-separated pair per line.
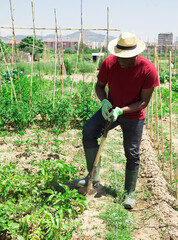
x,y
119,223
26,45
39,204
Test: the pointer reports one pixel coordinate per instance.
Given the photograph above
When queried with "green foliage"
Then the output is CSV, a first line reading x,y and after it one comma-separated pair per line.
x,y
88,67
39,205
26,45
119,221
164,77
6,51
86,49
68,67
42,113
68,51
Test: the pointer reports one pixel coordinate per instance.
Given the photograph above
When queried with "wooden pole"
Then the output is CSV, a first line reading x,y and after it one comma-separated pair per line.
x,y
56,43
107,30
15,45
161,114
62,63
148,107
10,77
165,63
151,122
31,81
33,15
170,115
92,91
76,63
12,61
82,46
156,104
65,29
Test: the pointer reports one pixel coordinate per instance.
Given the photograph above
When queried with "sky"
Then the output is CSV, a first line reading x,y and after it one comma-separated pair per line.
x,y
145,18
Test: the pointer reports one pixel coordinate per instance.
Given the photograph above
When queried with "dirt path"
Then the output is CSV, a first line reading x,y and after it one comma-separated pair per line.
x,y
154,214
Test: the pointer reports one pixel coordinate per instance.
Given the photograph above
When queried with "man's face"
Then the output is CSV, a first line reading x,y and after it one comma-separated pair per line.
x,y
127,62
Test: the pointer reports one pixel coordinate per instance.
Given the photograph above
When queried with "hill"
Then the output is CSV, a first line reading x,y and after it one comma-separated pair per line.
x,y
88,36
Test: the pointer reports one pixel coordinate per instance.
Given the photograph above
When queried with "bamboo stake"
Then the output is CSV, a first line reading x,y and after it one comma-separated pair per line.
x,y
37,52
97,65
65,29
56,42
170,115
151,122
107,30
82,47
74,71
10,77
154,61
165,59
31,82
161,112
156,105
15,45
148,110
62,63
12,61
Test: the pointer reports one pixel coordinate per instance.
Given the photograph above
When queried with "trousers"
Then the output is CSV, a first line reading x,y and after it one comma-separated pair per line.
x,y
132,130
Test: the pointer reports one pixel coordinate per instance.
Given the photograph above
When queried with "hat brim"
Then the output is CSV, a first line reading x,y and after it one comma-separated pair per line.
x,y
112,47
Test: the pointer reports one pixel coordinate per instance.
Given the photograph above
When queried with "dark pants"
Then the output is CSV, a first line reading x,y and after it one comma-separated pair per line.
x,y
132,133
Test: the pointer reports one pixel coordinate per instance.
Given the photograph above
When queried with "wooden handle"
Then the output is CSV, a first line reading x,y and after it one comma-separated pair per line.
x,y
100,148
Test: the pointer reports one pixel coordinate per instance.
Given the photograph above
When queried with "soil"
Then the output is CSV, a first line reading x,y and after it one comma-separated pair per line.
x,y
155,213
156,217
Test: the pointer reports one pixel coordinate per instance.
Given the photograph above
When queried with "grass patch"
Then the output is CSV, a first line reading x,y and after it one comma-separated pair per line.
x,y
119,223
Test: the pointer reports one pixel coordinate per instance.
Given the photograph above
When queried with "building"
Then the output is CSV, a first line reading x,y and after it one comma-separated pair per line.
x,y
72,44
165,39
96,56
9,43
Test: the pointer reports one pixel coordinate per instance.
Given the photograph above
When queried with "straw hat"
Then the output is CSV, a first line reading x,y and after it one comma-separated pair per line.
x,y
126,46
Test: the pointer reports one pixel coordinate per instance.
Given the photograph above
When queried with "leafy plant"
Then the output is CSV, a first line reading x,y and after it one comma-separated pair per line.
x,y
39,204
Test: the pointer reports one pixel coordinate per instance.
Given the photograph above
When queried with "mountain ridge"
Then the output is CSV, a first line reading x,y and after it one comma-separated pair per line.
x,y
88,36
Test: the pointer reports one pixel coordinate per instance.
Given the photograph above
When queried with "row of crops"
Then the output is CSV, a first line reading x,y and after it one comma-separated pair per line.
x,y
27,196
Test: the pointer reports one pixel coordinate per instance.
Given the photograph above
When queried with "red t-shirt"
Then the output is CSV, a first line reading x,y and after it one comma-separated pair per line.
x,y
125,84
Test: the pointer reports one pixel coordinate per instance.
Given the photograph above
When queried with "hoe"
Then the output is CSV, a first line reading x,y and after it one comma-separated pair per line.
x,y
89,190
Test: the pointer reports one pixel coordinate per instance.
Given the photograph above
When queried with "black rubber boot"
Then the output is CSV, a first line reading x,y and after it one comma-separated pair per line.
x,y
90,154
130,185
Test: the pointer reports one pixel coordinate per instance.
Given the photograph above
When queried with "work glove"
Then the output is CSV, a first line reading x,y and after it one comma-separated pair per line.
x,y
106,106
116,112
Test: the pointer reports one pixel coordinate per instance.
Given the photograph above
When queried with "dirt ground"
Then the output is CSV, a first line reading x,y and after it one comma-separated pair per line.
x,y
155,211
156,217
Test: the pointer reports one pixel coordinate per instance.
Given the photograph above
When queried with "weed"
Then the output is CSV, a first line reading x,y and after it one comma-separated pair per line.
x,y
119,223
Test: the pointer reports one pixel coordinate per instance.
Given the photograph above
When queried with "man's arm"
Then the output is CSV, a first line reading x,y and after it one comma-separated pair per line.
x,y
144,100
100,90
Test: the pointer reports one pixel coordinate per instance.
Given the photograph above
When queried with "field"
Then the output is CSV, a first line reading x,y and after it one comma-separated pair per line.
x,y
41,119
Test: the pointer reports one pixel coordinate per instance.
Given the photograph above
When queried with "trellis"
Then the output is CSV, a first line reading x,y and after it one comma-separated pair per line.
x,y
156,136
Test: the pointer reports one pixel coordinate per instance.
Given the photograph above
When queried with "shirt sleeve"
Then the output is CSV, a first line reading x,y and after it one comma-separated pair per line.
x,y
151,77
103,72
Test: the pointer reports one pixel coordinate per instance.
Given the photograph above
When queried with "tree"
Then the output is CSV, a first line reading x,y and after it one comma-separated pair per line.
x,y
86,49
6,50
26,45
68,51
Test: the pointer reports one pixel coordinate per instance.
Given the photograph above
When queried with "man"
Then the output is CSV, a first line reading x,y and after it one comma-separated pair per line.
x,y
131,79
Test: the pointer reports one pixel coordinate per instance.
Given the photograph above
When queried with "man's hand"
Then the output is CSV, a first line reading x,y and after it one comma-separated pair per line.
x,y
116,112
106,106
